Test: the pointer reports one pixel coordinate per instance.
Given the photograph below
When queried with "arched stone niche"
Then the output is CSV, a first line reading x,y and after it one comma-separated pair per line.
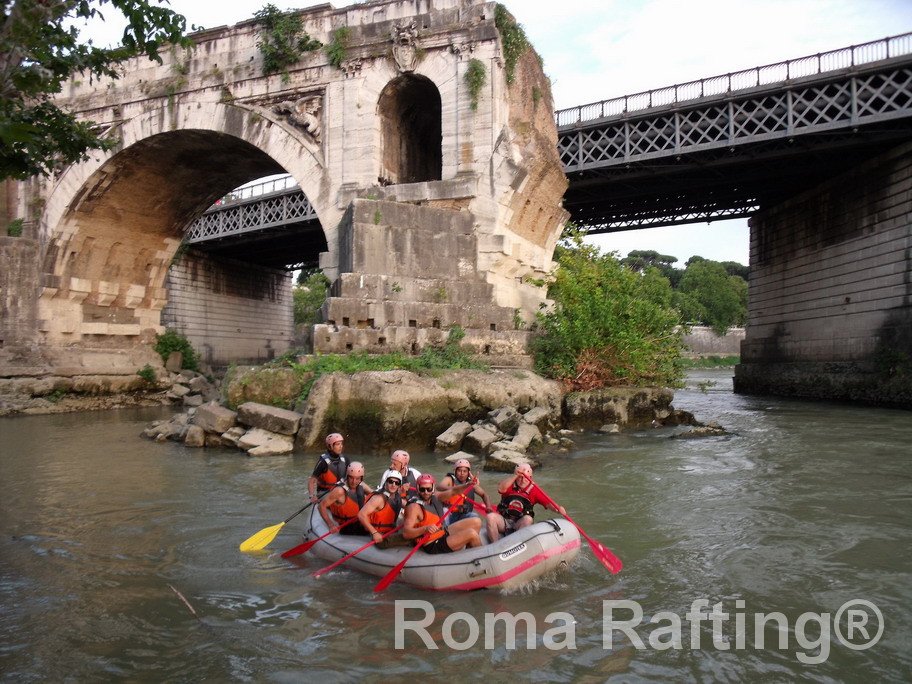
x,y
410,119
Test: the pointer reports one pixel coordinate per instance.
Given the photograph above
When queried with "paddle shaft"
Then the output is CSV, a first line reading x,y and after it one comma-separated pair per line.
x,y
306,546
339,562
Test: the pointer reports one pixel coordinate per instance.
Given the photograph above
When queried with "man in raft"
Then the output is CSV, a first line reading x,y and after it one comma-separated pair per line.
x,y
330,467
424,515
381,511
399,463
462,475
344,501
518,495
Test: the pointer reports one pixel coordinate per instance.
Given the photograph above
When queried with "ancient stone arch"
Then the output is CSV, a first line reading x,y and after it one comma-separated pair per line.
x,y
112,225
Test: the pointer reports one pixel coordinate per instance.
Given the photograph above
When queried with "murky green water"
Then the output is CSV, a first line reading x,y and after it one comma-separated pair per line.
x,y
805,507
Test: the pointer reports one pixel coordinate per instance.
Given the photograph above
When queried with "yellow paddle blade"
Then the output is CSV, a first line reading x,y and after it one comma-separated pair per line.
x,y
261,539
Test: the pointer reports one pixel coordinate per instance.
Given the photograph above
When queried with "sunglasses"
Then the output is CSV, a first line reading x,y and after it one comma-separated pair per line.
x,y
425,489
393,482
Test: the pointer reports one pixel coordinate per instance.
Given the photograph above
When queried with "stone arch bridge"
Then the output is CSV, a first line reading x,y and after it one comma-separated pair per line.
x,y
436,201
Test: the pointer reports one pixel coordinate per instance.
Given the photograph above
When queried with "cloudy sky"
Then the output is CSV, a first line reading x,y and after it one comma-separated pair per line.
x,y
598,49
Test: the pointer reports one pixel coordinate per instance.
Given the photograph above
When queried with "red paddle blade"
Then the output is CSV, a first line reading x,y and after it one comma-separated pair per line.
x,y
394,573
606,557
300,548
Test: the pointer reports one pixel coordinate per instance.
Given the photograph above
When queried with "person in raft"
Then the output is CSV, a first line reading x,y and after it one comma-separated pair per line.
x,y
399,463
518,495
461,475
330,468
424,515
344,501
381,511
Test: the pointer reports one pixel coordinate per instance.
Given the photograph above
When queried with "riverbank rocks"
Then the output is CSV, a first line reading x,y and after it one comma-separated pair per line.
x,y
506,461
511,413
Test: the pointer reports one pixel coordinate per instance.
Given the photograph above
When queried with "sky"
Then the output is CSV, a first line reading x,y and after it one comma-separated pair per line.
x,y
599,49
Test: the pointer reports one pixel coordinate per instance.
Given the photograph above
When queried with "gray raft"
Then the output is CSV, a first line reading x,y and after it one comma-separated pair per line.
x,y
511,562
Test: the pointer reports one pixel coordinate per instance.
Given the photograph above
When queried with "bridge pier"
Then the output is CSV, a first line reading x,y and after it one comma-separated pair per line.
x,y
830,292
230,311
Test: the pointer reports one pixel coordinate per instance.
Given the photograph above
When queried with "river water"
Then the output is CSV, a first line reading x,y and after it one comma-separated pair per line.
x,y
803,509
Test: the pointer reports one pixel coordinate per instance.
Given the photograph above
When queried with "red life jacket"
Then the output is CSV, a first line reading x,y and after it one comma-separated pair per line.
x,y
516,503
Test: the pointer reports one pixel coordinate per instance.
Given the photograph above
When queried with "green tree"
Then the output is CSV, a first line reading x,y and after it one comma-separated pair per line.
x,y
641,259
308,297
39,50
609,325
721,298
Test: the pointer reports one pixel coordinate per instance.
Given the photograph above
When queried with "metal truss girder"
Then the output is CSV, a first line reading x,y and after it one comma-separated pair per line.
x,y
854,101
252,216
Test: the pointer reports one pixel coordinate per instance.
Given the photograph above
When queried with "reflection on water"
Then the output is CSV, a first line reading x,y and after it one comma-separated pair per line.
x,y
803,507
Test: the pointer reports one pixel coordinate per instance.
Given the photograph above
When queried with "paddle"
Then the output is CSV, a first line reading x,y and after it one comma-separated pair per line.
x,y
306,546
603,553
323,571
394,573
261,539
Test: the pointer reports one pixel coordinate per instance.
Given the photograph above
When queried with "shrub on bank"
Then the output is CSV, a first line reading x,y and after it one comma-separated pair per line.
x,y
609,325
170,341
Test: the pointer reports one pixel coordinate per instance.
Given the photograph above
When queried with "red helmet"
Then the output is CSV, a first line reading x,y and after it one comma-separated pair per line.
x,y
426,479
463,463
333,438
356,469
524,469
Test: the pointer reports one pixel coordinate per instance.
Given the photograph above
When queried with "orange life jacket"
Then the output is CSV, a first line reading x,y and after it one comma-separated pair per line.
x,y
349,508
432,517
384,520
334,473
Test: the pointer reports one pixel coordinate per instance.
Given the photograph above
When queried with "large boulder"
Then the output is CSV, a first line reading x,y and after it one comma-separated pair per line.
x,y
629,406
270,418
273,386
452,437
506,461
214,418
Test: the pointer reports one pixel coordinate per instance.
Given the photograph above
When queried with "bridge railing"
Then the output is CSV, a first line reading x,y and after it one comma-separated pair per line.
x,y
779,72
249,192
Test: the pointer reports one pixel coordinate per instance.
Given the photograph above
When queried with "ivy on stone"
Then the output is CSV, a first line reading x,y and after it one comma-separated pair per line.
x,y
475,77
282,40
513,39
335,51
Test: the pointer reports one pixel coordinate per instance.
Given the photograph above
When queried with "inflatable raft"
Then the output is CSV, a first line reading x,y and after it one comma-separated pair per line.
x,y
513,561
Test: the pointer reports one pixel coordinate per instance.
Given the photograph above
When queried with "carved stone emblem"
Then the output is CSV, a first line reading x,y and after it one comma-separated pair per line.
x,y
462,50
352,67
405,48
303,114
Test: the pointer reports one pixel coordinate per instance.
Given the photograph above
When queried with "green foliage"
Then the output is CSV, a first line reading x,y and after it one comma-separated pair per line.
x,y
335,51
609,325
282,40
40,49
536,96
710,291
449,357
512,37
377,217
170,341
56,395
475,77
147,373
14,228
309,297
